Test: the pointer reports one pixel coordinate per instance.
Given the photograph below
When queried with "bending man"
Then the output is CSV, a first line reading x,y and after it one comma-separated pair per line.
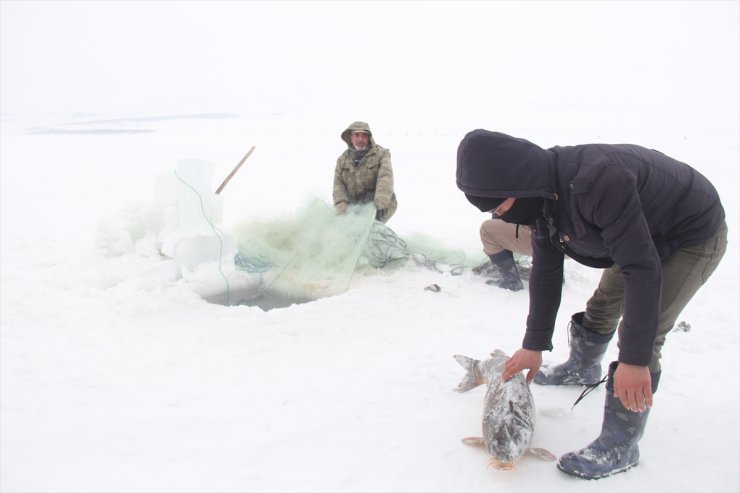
x,y
654,223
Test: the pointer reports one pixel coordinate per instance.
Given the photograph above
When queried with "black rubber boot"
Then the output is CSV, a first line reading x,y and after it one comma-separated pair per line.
x,y
509,274
615,450
583,366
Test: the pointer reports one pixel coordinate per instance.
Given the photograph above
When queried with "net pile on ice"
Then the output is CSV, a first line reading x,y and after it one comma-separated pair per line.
x,y
314,253
308,256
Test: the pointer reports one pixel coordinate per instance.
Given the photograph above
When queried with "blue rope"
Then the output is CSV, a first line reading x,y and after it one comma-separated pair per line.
x,y
217,231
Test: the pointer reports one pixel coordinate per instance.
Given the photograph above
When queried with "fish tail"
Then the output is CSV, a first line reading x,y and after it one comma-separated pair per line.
x,y
473,376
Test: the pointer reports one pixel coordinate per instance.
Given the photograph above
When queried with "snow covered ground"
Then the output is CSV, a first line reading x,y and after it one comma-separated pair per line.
x,y
115,377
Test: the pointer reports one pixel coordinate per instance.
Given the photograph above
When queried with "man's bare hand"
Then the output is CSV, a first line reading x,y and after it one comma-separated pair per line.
x,y
521,359
633,387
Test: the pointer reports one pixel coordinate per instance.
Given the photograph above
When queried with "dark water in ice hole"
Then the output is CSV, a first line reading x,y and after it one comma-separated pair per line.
x,y
264,300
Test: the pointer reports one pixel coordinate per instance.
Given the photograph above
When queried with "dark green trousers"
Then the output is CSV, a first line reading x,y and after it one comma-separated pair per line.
x,y
683,274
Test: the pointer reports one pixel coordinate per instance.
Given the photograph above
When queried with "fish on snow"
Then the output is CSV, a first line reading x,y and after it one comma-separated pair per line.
x,y
508,411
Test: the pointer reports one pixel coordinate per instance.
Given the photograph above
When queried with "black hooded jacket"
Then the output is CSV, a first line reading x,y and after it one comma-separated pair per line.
x,y
604,204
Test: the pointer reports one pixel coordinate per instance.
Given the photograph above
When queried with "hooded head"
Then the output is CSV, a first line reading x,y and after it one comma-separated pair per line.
x,y
492,167
357,127
485,204
492,164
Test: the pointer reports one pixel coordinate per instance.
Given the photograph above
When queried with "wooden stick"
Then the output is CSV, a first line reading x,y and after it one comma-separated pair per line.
x,y
233,171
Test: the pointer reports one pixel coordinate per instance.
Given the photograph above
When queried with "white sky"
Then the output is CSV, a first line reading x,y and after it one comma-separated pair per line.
x,y
254,57
122,379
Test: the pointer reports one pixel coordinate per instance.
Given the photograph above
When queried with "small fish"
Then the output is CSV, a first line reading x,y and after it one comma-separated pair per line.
x,y
508,411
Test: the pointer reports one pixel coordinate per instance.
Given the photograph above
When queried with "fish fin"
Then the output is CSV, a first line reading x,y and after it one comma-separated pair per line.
x,y
501,466
497,353
474,442
542,454
473,377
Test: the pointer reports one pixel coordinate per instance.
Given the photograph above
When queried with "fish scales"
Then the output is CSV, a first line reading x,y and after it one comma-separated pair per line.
x,y
508,409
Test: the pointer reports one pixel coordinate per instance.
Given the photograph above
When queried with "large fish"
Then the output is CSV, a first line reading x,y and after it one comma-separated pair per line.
x,y
508,411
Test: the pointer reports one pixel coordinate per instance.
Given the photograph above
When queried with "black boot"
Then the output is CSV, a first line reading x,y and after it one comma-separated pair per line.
x,y
583,366
509,279
615,450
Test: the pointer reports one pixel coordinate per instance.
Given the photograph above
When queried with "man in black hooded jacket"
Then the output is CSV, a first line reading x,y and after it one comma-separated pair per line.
x,y
655,225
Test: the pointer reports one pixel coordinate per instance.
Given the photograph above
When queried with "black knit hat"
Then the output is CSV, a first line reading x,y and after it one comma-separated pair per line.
x,y
485,204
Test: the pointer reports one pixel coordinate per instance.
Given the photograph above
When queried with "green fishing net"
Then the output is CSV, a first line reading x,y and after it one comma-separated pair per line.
x,y
315,252
310,255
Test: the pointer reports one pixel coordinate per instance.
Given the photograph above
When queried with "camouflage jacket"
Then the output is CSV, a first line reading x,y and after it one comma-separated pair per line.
x,y
369,181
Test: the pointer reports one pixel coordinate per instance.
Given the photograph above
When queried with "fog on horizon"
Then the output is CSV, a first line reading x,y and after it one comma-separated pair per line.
x,y
159,57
